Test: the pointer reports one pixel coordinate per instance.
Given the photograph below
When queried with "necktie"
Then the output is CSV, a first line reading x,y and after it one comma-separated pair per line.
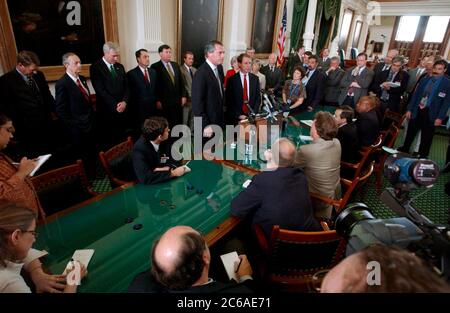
x,y
113,72
146,76
83,91
424,101
271,69
245,97
216,73
419,72
384,93
32,85
171,74
190,72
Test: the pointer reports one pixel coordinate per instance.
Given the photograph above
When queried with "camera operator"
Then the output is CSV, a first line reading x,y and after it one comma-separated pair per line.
x,y
399,271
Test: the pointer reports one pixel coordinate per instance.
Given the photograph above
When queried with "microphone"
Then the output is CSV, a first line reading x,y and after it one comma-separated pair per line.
x,y
269,103
251,116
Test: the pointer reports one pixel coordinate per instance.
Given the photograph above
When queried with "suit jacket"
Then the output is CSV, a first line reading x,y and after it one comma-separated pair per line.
x,y
273,79
235,94
348,137
332,85
321,161
30,113
142,94
368,125
109,91
144,283
188,79
378,68
278,197
364,80
74,110
440,100
324,65
169,93
208,96
413,79
146,159
395,94
315,89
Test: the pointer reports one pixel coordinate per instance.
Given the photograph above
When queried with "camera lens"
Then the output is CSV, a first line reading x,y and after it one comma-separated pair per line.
x,y
350,216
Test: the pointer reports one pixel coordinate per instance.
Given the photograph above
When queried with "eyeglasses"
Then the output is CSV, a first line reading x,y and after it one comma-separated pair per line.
x,y
33,232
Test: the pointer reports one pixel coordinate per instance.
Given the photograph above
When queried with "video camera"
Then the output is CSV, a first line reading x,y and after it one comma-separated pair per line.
x,y
411,230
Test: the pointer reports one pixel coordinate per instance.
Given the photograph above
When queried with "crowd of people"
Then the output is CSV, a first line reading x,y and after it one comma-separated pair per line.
x,y
148,101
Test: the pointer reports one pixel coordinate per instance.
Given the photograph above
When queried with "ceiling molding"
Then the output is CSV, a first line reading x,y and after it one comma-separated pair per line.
x,y
430,7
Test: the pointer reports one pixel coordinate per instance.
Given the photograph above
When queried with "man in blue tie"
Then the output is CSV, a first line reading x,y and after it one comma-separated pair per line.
x,y
428,108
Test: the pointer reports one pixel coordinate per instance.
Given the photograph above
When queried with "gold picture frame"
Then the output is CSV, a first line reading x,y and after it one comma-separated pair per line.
x,y
257,11
8,48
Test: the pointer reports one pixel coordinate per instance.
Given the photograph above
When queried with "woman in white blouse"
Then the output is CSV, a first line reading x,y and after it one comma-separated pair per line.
x,y
256,66
17,235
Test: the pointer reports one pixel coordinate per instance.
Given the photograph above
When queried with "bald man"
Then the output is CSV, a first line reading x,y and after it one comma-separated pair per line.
x,y
278,196
273,75
383,269
180,263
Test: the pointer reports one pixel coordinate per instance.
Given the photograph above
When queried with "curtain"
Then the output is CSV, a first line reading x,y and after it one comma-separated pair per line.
x,y
329,20
298,22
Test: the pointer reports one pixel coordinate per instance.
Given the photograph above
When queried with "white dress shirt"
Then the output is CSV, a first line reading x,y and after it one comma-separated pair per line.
x,y
248,83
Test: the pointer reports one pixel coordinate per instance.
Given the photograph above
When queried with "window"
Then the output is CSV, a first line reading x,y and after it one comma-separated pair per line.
x,y
407,28
436,28
345,28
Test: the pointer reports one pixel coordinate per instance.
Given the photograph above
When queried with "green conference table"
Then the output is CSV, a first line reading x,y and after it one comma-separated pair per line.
x,y
200,199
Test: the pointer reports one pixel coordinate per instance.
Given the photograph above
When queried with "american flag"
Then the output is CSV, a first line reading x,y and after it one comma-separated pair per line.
x,y
282,36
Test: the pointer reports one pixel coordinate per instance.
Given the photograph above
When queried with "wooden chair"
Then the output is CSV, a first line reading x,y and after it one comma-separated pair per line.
x,y
348,187
117,163
291,258
391,117
62,188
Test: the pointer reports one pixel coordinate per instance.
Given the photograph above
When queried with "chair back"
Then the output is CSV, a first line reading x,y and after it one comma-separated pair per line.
x,y
117,163
62,188
353,53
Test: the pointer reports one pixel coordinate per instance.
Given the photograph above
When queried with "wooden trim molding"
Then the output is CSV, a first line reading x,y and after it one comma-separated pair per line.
x,y
8,48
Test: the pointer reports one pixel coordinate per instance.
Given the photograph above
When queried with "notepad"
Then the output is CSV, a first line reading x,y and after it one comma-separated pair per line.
x,y
394,85
307,122
305,138
39,161
82,256
230,262
247,183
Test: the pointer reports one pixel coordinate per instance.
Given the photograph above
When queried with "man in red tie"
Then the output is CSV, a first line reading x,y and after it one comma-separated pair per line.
x,y
142,84
76,111
243,91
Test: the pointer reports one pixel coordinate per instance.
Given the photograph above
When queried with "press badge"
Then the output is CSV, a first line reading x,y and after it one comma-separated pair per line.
x,y
442,95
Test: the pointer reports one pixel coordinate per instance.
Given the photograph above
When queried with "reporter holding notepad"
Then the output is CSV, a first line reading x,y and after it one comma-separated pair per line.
x,y
17,235
15,185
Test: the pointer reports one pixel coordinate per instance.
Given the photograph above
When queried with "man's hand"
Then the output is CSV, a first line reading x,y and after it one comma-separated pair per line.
x,y
438,122
183,101
245,268
159,105
162,169
179,171
47,283
355,85
208,132
386,86
408,115
121,106
26,166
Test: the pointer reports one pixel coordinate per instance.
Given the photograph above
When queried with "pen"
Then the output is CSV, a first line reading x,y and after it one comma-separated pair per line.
x,y
237,269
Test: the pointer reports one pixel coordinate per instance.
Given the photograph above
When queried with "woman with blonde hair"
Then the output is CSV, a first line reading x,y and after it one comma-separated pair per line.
x,y
17,235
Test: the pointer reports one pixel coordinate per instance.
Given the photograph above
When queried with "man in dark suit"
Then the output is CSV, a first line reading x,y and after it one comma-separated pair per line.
x,y
347,134
334,76
27,100
111,86
152,161
390,95
207,89
142,82
74,108
170,91
368,123
324,60
243,92
387,62
428,108
278,196
356,82
273,75
314,82
181,262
